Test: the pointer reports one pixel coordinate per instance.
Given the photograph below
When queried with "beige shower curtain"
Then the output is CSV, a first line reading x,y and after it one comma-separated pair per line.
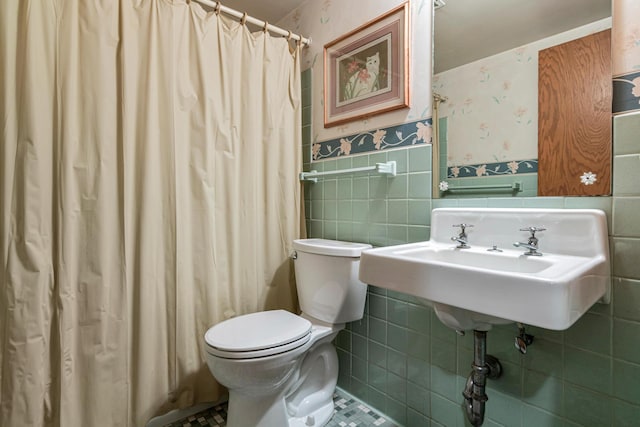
x,y
148,189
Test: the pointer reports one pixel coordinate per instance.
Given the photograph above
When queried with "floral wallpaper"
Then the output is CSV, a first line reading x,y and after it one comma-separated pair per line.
x,y
492,109
625,37
403,135
626,56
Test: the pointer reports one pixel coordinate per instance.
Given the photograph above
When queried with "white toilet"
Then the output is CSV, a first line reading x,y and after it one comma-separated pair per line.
x,y
281,369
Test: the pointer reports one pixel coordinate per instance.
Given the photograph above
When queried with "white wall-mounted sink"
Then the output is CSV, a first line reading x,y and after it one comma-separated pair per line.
x,y
477,287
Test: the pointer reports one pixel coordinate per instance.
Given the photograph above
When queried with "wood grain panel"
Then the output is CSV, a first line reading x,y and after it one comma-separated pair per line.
x,y
574,116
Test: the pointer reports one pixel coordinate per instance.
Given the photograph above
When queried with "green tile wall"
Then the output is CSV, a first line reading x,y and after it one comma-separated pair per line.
x,y
403,361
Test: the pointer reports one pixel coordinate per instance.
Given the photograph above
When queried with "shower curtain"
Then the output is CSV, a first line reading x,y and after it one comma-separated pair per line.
x,y
148,189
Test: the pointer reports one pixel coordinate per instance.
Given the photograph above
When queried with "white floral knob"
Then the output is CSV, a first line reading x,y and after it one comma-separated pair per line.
x,y
588,178
444,186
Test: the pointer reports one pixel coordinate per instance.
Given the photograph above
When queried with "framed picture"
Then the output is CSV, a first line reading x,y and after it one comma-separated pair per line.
x,y
366,72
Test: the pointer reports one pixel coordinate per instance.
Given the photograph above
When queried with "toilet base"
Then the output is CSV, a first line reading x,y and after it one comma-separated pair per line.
x,y
244,411
317,418
255,411
305,399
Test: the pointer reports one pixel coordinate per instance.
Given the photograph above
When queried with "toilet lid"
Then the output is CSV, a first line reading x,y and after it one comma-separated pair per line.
x,y
330,247
258,334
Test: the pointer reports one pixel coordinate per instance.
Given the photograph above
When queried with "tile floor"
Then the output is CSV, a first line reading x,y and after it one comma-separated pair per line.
x,y
349,412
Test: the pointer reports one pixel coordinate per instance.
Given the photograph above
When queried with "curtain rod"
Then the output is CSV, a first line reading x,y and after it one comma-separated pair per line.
x,y
243,17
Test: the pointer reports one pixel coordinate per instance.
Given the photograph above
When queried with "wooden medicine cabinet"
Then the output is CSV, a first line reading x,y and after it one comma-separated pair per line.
x,y
574,117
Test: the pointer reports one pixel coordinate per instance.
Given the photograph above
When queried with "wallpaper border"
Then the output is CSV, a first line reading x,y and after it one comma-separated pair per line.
x,y
626,93
514,167
403,135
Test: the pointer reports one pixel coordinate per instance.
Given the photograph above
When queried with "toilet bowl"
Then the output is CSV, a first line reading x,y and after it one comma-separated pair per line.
x,y
281,369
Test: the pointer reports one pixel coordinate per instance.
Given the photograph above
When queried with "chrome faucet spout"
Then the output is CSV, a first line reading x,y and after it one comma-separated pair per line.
x,y
462,242
526,246
532,248
461,238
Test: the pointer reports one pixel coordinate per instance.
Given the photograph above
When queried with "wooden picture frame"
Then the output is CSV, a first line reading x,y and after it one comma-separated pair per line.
x,y
366,72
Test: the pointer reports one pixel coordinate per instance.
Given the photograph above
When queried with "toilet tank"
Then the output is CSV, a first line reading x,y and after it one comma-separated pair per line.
x,y
327,279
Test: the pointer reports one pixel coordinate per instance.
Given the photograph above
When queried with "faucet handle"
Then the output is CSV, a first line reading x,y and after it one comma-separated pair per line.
x,y
463,226
533,230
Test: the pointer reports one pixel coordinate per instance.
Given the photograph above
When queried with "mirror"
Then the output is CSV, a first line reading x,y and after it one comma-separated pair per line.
x,y
486,70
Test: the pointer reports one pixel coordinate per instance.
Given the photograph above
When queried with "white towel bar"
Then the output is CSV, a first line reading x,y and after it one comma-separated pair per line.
x,y
514,186
388,168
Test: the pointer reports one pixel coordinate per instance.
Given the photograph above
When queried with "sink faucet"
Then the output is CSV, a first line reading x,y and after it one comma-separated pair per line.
x,y
532,243
463,243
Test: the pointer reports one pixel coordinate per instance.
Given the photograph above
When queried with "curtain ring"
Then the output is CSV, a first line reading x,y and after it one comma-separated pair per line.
x,y
217,8
243,20
289,36
265,29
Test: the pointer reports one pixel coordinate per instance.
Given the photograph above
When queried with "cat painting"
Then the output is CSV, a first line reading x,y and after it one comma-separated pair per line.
x,y
364,80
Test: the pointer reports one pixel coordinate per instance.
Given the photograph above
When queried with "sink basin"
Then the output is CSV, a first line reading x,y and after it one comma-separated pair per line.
x,y
478,287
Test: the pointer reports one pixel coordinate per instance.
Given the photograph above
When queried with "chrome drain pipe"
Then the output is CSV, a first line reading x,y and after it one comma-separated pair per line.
x,y
484,366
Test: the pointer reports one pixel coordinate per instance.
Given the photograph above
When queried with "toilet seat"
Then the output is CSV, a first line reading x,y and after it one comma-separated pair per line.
x,y
259,334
